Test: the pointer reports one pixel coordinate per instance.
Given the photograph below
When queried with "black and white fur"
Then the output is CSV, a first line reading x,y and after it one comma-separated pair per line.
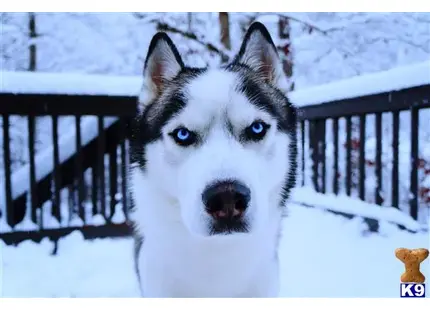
x,y
182,250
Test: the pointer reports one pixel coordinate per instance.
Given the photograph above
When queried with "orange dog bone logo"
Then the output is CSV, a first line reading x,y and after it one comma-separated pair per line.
x,y
412,260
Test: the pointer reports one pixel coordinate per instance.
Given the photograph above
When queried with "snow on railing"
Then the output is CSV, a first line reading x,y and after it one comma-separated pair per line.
x,y
364,85
353,206
91,84
68,84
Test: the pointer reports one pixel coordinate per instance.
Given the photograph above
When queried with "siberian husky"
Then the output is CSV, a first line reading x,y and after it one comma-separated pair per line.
x,y
213,161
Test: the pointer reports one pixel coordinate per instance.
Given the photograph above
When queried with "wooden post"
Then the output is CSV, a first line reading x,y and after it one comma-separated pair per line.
x,y
32,46
225,32
286,55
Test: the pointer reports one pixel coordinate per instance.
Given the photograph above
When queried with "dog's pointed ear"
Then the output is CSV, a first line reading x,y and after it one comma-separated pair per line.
x,y
162,64
259,53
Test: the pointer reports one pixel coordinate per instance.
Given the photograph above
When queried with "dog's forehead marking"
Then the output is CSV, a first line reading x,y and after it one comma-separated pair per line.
x,y
214,87
215,94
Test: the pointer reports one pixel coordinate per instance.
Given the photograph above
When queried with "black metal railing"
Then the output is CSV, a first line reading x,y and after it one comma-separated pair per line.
x,y
85,186
80,186
317,122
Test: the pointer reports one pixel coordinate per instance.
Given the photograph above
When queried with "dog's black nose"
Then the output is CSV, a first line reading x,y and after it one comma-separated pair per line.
x,y
226,199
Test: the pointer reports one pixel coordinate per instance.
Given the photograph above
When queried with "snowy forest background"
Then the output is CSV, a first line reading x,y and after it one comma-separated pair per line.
x,y
316,48
357,43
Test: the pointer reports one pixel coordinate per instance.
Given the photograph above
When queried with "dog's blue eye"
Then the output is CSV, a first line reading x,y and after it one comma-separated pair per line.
x,y
256,131
257,128
183,136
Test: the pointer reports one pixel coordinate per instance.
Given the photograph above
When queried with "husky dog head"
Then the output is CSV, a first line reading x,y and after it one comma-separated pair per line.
x,y
217,147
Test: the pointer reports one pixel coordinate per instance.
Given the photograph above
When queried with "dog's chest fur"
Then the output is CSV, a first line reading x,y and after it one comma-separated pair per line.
x,y
174,263
178,265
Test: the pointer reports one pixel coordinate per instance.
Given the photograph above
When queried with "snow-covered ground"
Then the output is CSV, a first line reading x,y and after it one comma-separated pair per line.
x,y
321,254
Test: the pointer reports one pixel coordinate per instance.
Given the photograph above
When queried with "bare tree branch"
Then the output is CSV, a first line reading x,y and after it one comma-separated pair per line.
x,y
357,20
321,56
146,18
420,19
425,47
331,33
309,26
163,26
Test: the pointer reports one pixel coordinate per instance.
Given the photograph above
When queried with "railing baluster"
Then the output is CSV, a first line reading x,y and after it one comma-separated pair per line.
x,y
413,202
395,170
33,182
362,158
322,148
378,159
348,156
79,170
113,176
56,205
336,155
72,200
9,211
101,165
94,188
313,144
